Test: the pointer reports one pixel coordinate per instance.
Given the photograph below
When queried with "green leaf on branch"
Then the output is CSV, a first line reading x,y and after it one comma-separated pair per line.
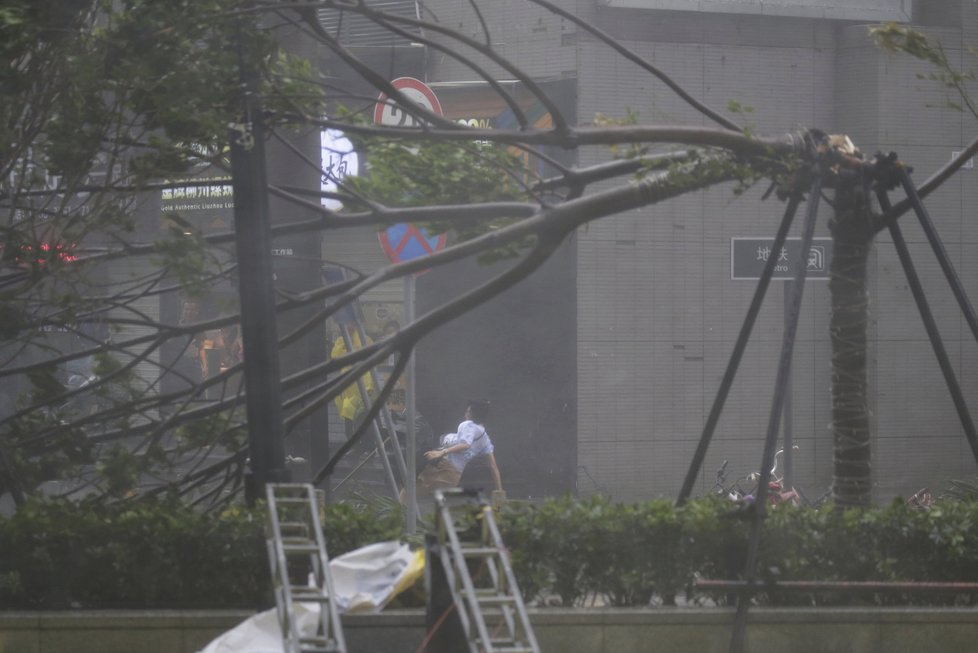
x,y
902,39
430,174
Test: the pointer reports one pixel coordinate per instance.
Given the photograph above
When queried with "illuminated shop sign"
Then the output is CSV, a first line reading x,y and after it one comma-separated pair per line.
x,y
198,195
338,161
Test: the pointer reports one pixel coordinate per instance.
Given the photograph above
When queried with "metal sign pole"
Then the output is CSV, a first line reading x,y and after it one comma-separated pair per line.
x,y
787,423
411,436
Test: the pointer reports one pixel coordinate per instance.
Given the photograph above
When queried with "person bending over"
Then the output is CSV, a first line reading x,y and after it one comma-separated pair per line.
x,y
446,463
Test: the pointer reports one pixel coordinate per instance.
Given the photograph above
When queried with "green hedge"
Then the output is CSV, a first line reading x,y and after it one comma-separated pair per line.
x,y
56,555
157,554
577,553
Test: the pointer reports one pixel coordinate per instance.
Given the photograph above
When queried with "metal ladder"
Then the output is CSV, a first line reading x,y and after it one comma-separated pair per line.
x,y
350,321
467,535
300,568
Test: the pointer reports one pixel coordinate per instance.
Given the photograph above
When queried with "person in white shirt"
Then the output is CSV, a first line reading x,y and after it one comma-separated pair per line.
x,y
456,450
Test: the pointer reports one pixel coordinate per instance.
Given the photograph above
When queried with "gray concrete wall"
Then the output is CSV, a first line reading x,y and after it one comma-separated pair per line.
x,y
538,42
657,312
571,631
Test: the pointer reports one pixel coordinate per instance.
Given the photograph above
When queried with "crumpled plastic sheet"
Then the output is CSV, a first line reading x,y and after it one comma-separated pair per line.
x,y
364,580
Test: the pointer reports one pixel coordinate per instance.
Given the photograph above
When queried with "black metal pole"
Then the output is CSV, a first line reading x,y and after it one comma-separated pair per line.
x,y
258,328
777,405
738,352
939,251
933,332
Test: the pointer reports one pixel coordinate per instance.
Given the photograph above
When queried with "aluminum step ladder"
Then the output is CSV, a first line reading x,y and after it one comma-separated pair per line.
x,y
300,568
479,575
351,324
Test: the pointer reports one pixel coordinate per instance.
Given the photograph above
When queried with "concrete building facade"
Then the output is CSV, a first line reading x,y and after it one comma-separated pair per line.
x,y
652,310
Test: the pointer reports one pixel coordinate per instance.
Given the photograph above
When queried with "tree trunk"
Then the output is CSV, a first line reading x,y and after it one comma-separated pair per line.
x,y
852,233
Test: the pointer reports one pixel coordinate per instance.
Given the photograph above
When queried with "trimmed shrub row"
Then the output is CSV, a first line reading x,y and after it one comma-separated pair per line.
x,y
154,554
577,553
58,555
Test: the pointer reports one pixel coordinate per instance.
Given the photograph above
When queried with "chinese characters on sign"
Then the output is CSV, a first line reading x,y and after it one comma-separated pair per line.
x,y
335,167
339,160
749,255
217,194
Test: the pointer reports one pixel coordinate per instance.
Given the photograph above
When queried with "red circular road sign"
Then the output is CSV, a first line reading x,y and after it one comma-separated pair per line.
x,y
389,113
405,242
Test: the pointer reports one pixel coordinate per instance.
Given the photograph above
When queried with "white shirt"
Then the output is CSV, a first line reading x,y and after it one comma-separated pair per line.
x,y
472,434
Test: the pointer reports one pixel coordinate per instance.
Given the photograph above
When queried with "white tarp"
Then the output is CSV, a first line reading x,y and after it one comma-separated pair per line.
x,y
364,580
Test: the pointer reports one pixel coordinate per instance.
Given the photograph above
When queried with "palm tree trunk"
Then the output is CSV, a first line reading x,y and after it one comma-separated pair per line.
x,y
852,234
